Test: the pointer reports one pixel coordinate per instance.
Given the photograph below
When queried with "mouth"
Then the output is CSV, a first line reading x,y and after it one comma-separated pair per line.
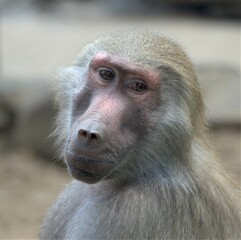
x,y
87,169
84,159
79,171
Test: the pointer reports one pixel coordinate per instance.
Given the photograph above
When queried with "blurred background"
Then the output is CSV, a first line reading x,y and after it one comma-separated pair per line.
x,y
38,36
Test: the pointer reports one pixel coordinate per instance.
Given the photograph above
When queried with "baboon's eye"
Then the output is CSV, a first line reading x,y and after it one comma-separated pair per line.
x,y
106,74
138,87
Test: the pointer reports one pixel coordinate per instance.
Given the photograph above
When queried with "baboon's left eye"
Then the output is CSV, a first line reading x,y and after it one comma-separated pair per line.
x,y
138,87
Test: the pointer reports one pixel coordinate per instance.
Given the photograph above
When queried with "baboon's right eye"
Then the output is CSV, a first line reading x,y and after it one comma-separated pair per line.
x,y
106,74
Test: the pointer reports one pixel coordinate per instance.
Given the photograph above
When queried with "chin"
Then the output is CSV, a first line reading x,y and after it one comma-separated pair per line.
x,y
84,176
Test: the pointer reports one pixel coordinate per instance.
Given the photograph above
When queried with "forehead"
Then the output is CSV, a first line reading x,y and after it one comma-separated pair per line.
x,y
142,47
128,51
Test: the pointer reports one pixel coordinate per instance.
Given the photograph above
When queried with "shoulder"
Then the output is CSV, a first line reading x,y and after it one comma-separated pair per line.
x,y
62,209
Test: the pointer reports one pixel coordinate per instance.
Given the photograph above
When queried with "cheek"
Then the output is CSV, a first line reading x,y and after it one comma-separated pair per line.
x,y
135,126
127,138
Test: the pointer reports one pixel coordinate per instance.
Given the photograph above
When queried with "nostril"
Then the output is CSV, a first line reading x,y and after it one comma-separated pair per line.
x,y
82,133
94,136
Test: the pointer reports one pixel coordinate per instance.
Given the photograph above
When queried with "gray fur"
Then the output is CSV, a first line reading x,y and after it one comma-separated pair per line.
x,y
170,185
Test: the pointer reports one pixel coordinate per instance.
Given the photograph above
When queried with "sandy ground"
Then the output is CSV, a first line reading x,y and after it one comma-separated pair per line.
x,y
28,185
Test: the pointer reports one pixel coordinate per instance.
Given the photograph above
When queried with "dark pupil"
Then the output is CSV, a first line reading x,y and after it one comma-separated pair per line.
x,y
140,87
107,75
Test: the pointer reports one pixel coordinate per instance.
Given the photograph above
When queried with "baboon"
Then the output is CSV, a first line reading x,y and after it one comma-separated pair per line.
x,y
132,131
